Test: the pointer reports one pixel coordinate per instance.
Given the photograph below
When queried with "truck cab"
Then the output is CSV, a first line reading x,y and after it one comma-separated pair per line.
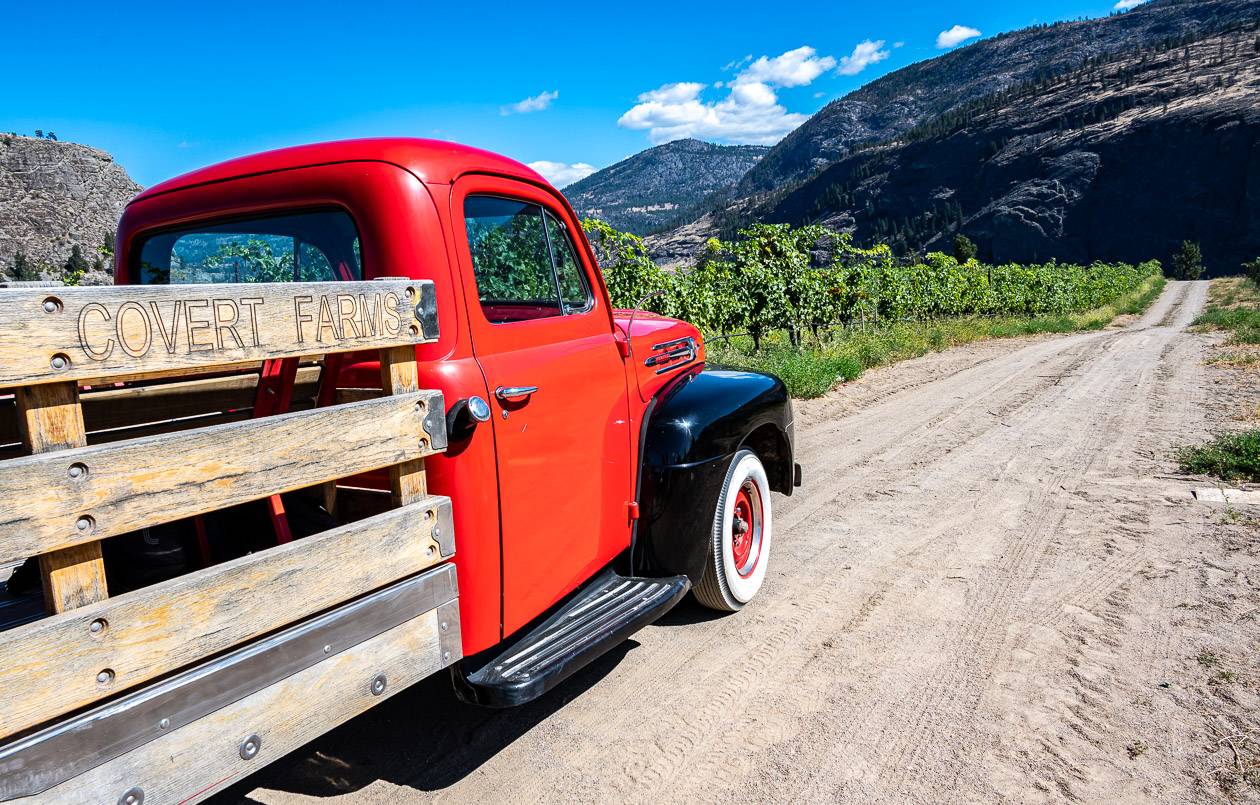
x,y
605,439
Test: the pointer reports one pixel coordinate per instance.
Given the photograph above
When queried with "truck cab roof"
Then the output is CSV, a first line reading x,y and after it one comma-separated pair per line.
x,y
434,161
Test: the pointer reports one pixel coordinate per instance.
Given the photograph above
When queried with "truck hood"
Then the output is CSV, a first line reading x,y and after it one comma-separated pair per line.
x,y
660,347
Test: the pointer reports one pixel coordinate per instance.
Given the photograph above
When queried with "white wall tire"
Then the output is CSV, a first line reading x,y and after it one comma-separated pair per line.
x,y
739,542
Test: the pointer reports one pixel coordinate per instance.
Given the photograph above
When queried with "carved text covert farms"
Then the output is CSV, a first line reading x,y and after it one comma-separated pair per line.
x,y
207,324
54,334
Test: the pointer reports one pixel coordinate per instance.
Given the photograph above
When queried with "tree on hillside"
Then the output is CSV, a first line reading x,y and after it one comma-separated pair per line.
x,y
1187,262
24,269
50,136
964,248
76,266
39,133
1252,270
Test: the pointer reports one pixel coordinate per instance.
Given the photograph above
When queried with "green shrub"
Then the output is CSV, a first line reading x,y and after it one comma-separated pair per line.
x,y
964,249
1230,457
1187,261
1252,270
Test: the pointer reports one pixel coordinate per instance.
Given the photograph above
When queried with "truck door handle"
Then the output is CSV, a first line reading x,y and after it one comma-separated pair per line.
x,y
508,393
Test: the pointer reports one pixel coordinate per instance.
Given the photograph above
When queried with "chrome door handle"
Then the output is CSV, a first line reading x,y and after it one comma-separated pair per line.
x,y
507,393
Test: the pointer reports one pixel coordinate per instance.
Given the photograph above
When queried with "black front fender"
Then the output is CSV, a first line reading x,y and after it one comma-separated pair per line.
x,y
693,429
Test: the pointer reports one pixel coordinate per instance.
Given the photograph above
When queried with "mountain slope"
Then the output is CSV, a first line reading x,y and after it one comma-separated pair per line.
x,y
652,188
54,195
895,103
1119,160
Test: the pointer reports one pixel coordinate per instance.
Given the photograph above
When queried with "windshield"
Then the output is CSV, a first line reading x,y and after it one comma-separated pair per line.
x,y
294,247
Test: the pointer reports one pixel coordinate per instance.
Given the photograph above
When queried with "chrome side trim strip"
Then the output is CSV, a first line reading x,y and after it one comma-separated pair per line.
x,y
55,754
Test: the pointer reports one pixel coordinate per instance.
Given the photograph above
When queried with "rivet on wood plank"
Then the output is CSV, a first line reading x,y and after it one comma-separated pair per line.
x,y
132,796
424,444
411,292
378,684
52,305
164,723
414,330
105,677
250,746
78,470
97,627
60,361
85,524
327,648
429,551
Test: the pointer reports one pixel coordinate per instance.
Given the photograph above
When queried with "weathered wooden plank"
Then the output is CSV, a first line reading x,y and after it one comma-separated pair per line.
x,y
400,375
60,334
57,500
51,666
51,419
204,757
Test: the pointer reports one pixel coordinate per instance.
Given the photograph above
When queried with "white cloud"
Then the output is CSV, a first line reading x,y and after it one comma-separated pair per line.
x,y
750,113
563,174
864,55
796,68
955,36
536,103
1125,5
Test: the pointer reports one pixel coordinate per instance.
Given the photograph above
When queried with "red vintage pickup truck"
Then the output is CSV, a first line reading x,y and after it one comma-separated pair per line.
x,y
597,469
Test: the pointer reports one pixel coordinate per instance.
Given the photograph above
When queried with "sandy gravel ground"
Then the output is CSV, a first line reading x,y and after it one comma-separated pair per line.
x,y
993,587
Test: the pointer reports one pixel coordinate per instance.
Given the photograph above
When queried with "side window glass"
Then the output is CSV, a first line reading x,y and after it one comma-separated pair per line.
x,y
511,259
574,292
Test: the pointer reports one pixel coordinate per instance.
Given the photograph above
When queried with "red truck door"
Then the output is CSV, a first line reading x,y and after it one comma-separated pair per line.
x,y
544,339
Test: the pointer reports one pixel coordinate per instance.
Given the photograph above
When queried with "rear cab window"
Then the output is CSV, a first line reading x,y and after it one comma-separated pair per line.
x,y
524,261
313,246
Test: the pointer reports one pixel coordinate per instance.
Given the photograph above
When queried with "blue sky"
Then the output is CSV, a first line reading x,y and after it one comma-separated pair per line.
x,y
168,87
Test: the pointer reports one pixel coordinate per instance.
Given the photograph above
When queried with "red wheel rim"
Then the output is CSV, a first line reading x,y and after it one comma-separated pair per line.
x,y
746,529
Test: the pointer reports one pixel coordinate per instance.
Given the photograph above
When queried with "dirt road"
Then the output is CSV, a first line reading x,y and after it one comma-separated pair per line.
x,y
991,587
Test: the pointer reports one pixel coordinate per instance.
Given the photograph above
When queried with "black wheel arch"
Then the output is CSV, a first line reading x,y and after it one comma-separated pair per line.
x,y
691,431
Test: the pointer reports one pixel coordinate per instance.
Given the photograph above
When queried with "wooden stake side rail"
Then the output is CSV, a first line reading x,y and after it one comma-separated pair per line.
x,y
52,665
59,501
190,764
50,335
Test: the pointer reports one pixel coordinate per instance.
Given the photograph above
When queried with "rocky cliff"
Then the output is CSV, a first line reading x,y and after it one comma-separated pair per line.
x,y
901,100
54,195
1119,160
661,185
